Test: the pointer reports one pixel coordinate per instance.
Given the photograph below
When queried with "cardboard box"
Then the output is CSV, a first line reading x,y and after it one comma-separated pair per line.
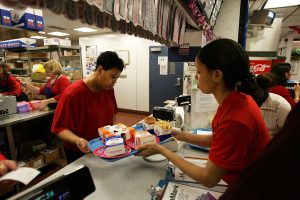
x,y
57,41
24,18
39,19
38,76
36,161
50,155
17,43
5,17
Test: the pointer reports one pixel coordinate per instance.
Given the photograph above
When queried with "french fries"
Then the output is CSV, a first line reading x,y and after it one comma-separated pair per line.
x,y
164,124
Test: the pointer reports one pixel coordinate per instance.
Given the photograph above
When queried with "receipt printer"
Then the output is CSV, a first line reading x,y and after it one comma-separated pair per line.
x,y
8,105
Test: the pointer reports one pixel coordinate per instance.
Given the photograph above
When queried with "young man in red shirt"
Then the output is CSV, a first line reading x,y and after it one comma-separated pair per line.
x,y
87,105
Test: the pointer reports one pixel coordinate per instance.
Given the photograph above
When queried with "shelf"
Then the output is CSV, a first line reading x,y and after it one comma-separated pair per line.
x,y
68,57
9,32
16,60
52,48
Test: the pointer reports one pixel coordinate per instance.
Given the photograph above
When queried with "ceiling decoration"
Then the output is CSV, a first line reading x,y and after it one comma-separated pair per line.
x,y
159,20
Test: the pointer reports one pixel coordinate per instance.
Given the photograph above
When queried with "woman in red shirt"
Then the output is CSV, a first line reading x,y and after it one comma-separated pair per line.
x,y
9,85
282,73
239,131
54,87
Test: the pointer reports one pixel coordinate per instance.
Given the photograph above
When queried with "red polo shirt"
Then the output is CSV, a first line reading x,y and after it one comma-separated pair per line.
x,y
239,135
282,91
83,111
2,157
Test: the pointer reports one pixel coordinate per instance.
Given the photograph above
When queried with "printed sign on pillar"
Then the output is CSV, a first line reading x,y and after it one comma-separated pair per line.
x,y
260,66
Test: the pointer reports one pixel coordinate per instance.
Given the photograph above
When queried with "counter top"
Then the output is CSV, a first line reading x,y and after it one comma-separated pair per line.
x,y
20,117
129,178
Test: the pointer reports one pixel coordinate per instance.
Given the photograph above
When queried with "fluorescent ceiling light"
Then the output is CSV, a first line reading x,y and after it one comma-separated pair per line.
x,y
85,30
110,35
38,37
281,3
58,33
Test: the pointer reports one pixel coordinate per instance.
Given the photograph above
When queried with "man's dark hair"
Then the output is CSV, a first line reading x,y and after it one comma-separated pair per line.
x,y
109,60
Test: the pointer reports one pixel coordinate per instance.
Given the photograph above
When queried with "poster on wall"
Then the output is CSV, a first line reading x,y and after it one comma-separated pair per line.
x,y
260,66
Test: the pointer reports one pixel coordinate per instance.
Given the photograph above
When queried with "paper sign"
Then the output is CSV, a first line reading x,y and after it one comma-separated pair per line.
x,y
162,60
179,191
22,174
163,70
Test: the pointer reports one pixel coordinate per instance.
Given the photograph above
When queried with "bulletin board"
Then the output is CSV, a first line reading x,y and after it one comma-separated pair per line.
x,y
124,55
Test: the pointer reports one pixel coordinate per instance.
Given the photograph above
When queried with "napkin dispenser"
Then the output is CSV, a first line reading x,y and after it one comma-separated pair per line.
x,y
8,105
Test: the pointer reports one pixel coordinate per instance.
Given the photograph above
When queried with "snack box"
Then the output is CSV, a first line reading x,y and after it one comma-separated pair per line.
x,y
143,137
159,131
105,131
23,107
148,123
35,104
114,146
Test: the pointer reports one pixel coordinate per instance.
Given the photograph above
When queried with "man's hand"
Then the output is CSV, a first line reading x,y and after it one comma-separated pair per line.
x,y
82,145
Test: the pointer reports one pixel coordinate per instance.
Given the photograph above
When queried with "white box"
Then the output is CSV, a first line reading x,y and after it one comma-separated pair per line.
x,y
160,131
57,41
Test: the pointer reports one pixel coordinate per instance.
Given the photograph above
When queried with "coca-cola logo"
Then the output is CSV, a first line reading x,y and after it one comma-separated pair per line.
x,y
259,68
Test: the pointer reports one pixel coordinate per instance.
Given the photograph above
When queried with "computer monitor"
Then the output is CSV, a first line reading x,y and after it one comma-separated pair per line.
x,y
262,17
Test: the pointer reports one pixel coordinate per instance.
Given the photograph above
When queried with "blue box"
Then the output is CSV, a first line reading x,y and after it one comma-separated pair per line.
x,y
5,17
39,19
25,19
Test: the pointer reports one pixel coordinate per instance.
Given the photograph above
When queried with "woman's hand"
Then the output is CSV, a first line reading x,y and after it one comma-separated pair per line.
x,y
7,166
82,145
149,149
177,134
43,104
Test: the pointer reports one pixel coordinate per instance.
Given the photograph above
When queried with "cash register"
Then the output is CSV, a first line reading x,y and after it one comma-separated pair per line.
x,y
8,105
75,185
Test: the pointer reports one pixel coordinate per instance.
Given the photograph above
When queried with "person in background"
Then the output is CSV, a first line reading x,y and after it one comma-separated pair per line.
x,y
282,72
87,105
6,165
9,85
55,86
275,174
239,131
273,107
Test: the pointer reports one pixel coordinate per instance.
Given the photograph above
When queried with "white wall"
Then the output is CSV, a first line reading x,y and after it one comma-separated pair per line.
x,y
227,25
131,92
266,39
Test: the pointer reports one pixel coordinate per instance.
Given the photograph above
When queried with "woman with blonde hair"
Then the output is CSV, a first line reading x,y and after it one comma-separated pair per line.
x,y
54,87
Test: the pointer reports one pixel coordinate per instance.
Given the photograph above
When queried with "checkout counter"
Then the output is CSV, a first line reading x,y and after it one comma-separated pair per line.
x,y
128,178
14,124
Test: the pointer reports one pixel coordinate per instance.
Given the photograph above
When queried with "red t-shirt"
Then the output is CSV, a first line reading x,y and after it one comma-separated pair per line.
x,y
282,91
58,87
13,86
239,135
83,111
2,157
